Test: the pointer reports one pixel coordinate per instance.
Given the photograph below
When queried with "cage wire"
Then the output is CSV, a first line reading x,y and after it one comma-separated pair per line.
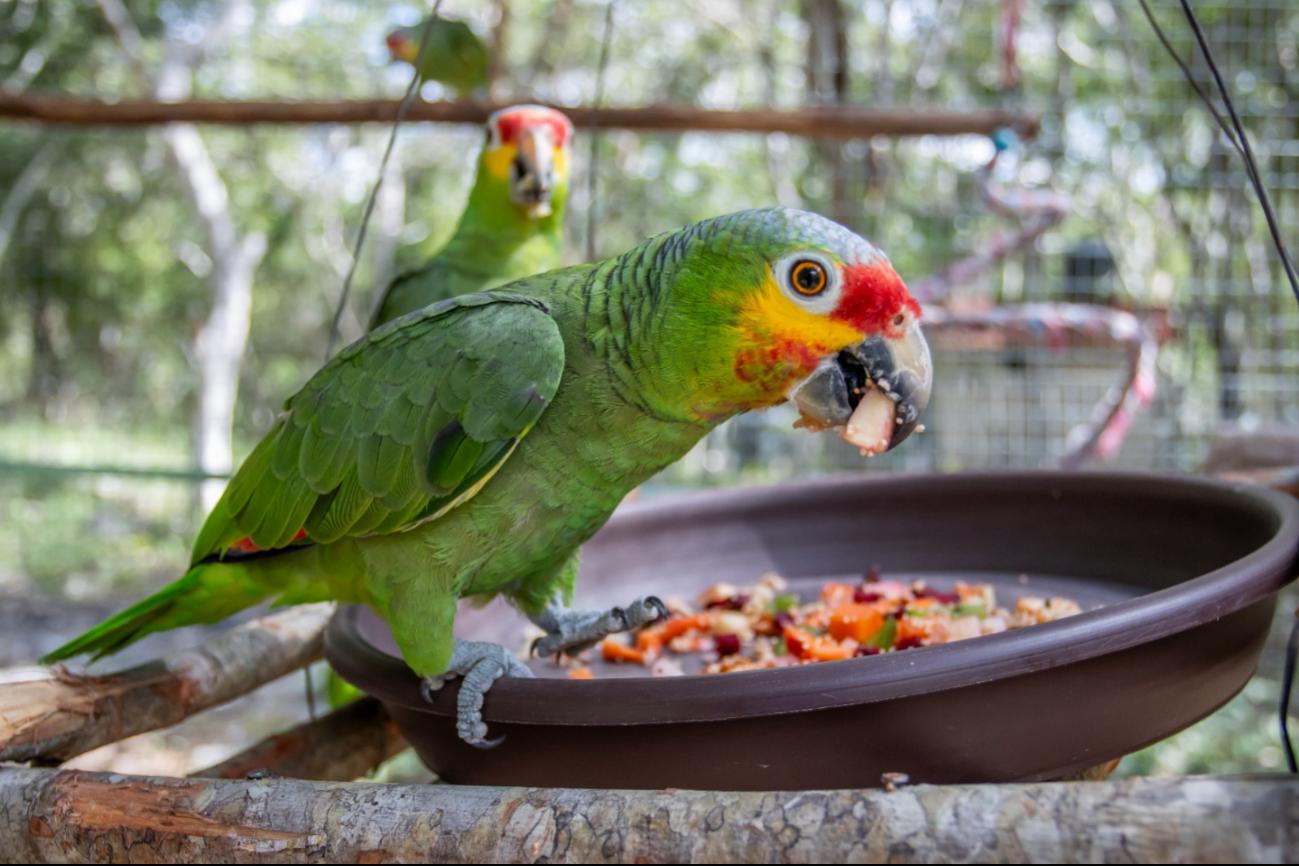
x,y
1116,111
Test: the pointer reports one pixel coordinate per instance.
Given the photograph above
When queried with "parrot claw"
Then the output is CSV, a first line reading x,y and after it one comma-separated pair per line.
x,y
572,631
479,664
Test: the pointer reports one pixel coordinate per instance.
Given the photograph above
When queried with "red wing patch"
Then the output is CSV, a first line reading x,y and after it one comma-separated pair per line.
x,y
245,545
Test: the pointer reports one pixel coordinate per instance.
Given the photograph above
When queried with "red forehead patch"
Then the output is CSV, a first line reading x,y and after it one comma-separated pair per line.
x,y
510,123
872,296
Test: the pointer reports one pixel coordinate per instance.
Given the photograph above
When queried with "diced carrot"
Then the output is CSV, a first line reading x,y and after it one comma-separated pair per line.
x,y
921,603
835,594
806,645
653,638
580,674
855,621
614,650
909,627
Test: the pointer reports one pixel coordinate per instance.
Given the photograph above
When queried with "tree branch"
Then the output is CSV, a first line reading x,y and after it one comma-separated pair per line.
x,y
26,185
830,122
55,715
53,816
340,747
128,38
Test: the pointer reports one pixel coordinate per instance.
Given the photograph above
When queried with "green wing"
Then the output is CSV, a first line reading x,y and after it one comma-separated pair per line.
x,y
399,427
434,281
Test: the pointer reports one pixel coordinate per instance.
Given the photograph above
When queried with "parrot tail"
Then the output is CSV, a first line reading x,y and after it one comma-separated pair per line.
x,y
209,592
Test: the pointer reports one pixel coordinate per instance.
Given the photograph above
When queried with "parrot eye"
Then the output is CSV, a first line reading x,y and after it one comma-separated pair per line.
x,y
808,278
811,280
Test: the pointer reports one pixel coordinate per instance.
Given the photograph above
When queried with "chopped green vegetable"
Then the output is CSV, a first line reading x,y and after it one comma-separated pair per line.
x,y
783,603
976,608
883,639
781,649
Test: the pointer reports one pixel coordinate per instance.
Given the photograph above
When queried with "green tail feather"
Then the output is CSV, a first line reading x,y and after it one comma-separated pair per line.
x,y
208,593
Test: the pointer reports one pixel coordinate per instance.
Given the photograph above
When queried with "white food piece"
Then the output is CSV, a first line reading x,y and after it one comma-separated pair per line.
x,y
871,426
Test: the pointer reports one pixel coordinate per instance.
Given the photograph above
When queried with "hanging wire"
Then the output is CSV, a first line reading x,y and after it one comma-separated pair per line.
x,y
593,163
1251,164
1241,142
1287,685
1190,78
411,90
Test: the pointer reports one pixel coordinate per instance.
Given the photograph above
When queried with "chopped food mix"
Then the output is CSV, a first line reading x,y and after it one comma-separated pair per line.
x,y
763,626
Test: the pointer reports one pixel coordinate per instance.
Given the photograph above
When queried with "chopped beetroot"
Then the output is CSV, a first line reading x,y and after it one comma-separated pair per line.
x,y
868,651
735,602
908,643
938,596
862,597
872,576
728,644
783,618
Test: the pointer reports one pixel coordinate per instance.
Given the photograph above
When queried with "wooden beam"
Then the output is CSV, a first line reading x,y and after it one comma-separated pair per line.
x,y
824,122
339,747
51,816
51,715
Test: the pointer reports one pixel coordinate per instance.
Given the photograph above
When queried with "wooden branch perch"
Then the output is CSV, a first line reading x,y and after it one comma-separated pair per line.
x,y
339,747
57,715
826,122
58,816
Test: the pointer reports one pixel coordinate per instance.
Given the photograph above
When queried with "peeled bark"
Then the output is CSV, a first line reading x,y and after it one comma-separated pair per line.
x,y
51,715
62,816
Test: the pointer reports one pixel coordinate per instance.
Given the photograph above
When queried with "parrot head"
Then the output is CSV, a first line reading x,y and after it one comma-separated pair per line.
x,y
800,308
403,45
527,148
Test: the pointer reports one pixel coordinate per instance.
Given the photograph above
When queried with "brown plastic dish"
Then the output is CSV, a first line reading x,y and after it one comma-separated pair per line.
x,y
1187,570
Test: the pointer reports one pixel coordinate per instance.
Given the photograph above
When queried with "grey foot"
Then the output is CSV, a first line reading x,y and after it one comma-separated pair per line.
x,y
571,631
480,664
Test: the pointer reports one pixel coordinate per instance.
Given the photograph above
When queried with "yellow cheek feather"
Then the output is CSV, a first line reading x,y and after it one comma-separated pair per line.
x,y
498,160
561,162
770,317
780,343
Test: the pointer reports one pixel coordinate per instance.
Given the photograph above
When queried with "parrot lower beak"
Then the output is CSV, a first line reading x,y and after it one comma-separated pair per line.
x,y
532,174
873,392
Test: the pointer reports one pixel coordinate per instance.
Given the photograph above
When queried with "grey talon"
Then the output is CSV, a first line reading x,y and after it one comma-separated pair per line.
x,y
571,631
479,665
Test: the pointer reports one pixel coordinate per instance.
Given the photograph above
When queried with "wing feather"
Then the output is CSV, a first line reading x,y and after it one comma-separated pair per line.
x,y
398,428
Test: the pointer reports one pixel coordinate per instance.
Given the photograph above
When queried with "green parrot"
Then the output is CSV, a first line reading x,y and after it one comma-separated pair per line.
x,y
455,56
512,226
471,447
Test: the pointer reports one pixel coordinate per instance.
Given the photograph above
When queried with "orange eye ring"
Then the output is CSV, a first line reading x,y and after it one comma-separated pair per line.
x,y
808,278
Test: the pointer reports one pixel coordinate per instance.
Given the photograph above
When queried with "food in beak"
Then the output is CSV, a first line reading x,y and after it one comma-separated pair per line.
x,y
873,393
871,424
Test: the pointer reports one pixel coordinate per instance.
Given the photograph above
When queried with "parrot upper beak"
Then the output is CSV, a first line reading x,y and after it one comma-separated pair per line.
x,y
874,391
532,174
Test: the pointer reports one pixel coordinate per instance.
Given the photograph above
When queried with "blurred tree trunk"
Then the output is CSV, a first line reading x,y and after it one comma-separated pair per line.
x,y
827,84
220,343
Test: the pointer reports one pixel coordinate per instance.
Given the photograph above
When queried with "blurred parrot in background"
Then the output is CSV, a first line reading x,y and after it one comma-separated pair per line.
x,y
455,56
513,223
471,447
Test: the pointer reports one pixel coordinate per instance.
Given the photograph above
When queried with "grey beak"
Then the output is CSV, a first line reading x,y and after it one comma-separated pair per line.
x,y
901,369
532,174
